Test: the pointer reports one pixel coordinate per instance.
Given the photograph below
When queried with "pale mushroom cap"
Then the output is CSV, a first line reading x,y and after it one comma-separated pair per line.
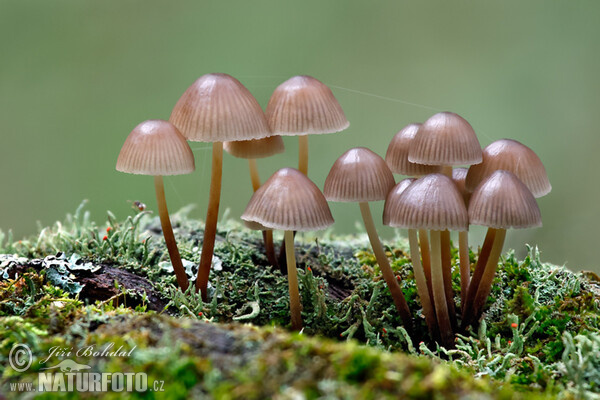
x,y
396,156
513,156
256,148
155,147
394,193
445,139
432,202
303,105
289,201
458,176
358,175
218,108
502,201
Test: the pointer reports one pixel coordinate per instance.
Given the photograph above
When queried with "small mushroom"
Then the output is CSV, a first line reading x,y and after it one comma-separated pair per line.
x,y
432,202
251,150
156,147
458,176
500,202
217,108
359,175
289,201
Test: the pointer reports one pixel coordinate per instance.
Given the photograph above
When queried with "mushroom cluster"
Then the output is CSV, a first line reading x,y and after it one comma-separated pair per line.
x,y
497,190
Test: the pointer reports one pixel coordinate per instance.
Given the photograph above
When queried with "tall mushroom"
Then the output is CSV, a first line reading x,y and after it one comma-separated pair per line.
x,y
513,156
458,176
289,201
303,106
251,150
157,148
500,202
359,175
445,139
217,108
434,203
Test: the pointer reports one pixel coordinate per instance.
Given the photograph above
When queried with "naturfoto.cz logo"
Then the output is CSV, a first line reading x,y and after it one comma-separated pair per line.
x,y
71,376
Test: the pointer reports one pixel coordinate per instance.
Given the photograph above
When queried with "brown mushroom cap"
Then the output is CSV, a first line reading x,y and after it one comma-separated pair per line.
x,y
396,156
303,105
513,156
431,202
256,148
445,139
155,147
458,176
218,108
289,201
394,193
502,201
358,175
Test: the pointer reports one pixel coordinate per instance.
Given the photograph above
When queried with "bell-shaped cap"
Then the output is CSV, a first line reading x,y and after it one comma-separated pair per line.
x,y
218,108
289,201
394,193
458,176
155,147
396,156
256,148
502,201
513,156
445,139
358,175
303,105
432,202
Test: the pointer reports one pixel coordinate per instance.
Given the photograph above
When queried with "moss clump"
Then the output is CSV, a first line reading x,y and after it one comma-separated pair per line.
x,y
540,319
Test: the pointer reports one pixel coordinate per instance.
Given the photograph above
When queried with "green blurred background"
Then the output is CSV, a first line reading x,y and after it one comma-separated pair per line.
x,y
77,76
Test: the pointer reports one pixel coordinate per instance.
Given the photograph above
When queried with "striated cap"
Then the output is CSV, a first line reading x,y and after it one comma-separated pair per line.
x,y
445,139
218,108
303,105
458,176
502,201
358,175
257,148
513,156
394,193
289,201
396,156
431,202
155,147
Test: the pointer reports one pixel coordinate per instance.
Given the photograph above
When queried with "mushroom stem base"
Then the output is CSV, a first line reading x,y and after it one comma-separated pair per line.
x,y
295,306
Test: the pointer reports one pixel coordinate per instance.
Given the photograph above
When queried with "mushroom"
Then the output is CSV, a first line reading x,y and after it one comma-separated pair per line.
x,y
423,282
303,106
360,175
217,108
396,158
156,147
500,202
513,156
446,139
289,201
251,150
432,202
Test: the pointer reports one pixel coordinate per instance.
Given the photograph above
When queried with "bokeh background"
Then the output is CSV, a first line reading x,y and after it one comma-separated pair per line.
x,y
77,76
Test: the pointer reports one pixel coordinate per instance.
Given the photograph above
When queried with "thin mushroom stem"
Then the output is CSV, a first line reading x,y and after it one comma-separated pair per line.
x,y
465,265
421,280
484,255
268,234
165,222
439,293
447,271
485,287
384,265
303,154
212,215
295,306
424,244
